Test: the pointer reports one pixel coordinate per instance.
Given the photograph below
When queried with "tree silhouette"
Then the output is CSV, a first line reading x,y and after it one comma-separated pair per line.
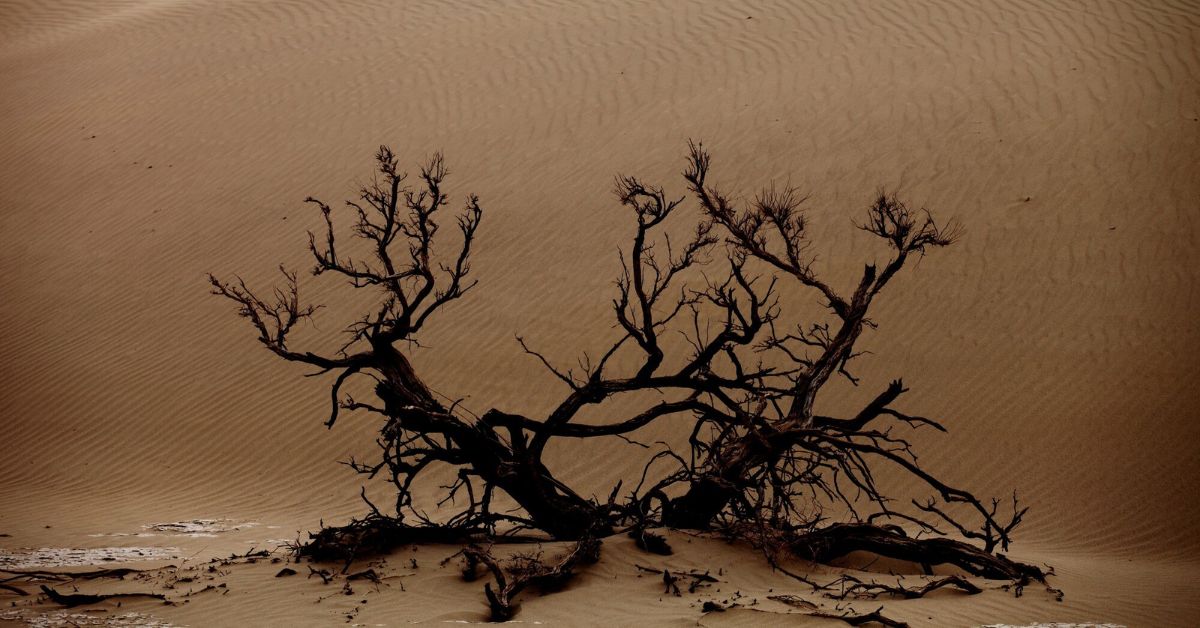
x,y
743,388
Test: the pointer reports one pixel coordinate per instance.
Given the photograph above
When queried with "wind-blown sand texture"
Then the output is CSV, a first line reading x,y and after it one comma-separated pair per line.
x,y
144,143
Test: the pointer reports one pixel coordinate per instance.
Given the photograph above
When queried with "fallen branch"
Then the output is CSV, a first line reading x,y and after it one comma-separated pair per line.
x,y
650,542
326,577
670,578
369,574
871,590
71,600
373,535
119,572
524,572
17,590
875,616
793,601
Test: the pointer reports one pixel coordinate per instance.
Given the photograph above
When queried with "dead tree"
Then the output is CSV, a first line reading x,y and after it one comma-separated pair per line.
x,y
744,387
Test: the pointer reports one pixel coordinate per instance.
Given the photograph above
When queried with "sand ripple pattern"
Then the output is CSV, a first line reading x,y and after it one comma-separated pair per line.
x,y
143,143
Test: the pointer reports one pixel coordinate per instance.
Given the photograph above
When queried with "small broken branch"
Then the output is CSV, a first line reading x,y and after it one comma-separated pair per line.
x,y
525,571
871,590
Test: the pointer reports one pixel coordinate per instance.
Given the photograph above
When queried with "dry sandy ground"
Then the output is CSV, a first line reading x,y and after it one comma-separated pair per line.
x,y
143,143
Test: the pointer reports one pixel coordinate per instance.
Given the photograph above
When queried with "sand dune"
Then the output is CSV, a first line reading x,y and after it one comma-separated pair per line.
x,y
143,144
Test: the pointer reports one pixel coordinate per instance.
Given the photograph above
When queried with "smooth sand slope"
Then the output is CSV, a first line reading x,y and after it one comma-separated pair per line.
x,y
143,144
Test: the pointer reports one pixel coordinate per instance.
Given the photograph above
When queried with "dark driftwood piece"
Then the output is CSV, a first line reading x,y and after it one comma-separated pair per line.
x,y
17,590
65,576
744,387
90,574
373,535
82,599
837,540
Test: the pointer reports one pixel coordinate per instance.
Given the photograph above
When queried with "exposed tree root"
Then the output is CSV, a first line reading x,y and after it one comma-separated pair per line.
x,y
838,540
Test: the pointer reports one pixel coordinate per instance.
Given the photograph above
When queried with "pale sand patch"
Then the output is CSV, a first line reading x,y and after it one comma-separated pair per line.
x,y
49,557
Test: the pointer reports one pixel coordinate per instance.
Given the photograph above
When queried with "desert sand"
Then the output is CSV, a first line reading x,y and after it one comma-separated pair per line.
x,y
144,143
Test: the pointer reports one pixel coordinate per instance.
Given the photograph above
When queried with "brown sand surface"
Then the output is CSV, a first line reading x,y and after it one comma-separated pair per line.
x,y
144,143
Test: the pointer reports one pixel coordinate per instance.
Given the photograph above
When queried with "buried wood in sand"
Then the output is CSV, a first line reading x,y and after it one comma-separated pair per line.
x,y
71,600
761,463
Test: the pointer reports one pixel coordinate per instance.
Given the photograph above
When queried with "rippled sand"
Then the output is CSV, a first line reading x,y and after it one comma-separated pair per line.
x,y
144,143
